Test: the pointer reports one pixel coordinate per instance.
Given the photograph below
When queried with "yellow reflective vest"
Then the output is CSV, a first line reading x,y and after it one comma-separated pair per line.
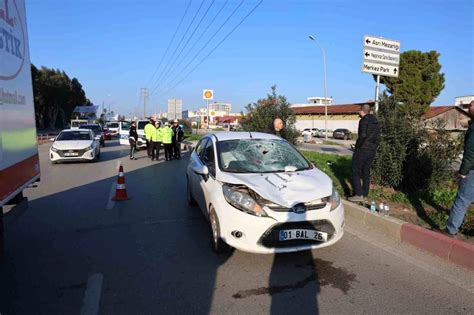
x,y
167,135
157,136
149,131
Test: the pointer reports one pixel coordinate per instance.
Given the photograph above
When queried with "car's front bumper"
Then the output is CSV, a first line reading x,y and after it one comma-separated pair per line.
x,y
59,157
259,233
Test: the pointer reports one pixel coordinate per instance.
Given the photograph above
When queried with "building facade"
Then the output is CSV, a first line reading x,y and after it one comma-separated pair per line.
x,y
312,101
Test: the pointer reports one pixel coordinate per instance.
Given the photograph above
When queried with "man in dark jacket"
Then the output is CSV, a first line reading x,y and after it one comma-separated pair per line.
x,y
365,148
465,195
177,139
132,139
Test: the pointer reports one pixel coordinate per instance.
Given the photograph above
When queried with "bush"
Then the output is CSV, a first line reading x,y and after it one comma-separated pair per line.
x,y
260,116
387,169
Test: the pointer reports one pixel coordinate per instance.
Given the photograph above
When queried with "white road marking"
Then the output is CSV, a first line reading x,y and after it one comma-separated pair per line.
x,y
91,301
110,203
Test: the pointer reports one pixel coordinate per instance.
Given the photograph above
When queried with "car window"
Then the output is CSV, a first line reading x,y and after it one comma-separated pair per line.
x,y
74,135
142,124
208,157
125,125
113,125
259,156
200,146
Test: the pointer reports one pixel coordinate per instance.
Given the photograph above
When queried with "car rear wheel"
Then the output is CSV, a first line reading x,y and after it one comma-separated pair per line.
x,y
218,245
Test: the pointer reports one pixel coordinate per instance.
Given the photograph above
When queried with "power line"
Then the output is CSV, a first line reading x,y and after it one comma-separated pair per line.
x,y
202,34
205,45
172,67
179,44
169,45
217,46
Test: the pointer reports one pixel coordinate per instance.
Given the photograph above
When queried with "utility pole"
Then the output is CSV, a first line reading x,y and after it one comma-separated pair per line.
x,y
144,93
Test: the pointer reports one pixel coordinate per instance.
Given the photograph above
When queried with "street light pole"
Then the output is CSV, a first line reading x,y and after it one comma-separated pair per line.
x,y
325,88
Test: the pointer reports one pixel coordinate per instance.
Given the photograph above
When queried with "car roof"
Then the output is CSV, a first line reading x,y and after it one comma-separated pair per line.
x,y
76,129
91,125
237,135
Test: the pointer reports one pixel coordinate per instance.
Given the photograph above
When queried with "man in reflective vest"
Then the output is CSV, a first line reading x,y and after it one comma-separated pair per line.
x,y
156,140
167,141
149,130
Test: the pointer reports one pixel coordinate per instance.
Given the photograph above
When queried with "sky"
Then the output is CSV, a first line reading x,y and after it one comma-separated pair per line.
x,y
115,48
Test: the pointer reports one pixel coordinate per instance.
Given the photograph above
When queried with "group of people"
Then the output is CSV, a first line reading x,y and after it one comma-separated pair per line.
x,y
158,135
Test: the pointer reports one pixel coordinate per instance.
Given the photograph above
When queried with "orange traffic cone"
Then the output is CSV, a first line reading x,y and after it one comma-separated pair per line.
x,y
120,191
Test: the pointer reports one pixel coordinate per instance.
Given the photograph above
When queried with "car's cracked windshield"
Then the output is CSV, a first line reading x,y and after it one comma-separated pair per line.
x,y
259,156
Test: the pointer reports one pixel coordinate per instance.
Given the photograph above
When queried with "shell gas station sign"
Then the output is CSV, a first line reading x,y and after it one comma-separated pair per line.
x,y
208,95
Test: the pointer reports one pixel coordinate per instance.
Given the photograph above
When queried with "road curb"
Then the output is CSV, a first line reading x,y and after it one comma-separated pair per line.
x,y
453,250
385,225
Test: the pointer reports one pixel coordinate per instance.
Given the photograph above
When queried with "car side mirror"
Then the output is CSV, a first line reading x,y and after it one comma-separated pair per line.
x,y
201,170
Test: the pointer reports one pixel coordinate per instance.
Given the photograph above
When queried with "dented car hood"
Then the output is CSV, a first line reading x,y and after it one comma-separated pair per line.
x,y
284,188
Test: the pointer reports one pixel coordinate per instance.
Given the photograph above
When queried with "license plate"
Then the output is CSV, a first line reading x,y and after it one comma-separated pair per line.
x,y
286,235
71,154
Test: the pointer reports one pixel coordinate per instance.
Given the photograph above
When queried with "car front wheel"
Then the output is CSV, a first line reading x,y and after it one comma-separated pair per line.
x,y
218,245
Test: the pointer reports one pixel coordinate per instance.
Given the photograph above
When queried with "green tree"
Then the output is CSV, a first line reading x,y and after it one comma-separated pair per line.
x,y
260,115
55,96
419,83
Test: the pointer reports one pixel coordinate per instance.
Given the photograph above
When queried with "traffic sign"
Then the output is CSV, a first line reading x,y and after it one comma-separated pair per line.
x,y
381,69
381,43
381,57
208,94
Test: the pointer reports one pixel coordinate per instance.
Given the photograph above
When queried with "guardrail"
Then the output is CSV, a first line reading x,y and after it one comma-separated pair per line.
x,y
43,138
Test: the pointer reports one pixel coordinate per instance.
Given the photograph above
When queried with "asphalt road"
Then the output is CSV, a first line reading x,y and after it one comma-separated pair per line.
x,y
75,252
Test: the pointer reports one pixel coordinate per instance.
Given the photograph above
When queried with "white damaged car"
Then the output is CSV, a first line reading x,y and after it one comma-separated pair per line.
x,y
261,195
75,145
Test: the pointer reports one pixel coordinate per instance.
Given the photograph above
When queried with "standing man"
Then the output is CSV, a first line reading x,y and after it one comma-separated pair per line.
x,y
149,131
156,139
278,126
465,195
168,141
178,135
365,148
132,139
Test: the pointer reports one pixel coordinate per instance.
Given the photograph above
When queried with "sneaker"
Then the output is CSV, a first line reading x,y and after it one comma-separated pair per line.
x,y
356,199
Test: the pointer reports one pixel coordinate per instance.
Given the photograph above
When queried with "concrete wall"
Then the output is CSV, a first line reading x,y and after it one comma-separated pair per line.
x,y
350,122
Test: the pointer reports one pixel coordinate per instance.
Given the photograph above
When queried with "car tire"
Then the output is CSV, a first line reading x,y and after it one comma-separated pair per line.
x,y
189,194
218,245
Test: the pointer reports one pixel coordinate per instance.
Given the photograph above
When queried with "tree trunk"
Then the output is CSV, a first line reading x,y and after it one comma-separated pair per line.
x,y
53,115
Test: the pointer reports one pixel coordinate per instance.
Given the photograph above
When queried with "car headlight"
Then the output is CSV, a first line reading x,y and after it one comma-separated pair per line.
x,y
241,200
88,148
334,200
54,149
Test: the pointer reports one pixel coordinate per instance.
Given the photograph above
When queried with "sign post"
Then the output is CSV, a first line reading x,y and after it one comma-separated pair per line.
x,y
208,95
380,56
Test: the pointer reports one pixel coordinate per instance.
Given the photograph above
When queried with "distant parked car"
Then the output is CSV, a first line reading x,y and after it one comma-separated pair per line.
x,y
322,133
107,134
342,134
306,131
97,130
314,132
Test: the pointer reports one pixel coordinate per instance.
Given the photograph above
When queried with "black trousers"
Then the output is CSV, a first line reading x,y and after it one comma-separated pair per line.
x,y
155,152
361,163
177,150
168,150
149,147
133,147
